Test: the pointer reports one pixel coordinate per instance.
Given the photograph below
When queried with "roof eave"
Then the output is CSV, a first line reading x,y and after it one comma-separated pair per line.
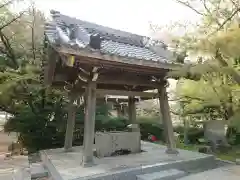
x,y
113,58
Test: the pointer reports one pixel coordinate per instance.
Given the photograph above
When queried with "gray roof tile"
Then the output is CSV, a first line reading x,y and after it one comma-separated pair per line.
x,y
65,30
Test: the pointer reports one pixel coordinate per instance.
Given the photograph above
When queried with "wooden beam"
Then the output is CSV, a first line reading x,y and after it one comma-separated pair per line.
x,y
102,92
112,58
113,80
124,80
118,99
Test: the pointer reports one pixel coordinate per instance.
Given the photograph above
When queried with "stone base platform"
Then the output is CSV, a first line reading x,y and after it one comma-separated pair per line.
x,y
66,166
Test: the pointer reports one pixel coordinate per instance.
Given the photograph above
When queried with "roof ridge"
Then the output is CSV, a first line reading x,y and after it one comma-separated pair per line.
x,y
109,31
58,13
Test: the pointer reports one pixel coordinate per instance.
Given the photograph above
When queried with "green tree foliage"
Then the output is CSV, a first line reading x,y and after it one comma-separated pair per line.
x,y
39,113
20,55
40,124
212,47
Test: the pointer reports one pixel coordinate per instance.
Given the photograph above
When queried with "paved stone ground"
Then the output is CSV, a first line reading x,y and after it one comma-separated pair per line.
x,y
6,174
230,172
68,164
9,167
5,138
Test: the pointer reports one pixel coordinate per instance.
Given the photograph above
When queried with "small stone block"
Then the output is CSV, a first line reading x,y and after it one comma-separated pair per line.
x,y
25,152
68,150
238,161
87,164
8,155
38,171
170,174
172,151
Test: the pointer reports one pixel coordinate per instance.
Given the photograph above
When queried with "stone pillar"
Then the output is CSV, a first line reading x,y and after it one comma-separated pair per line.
x,y
89,124
167,122
70,125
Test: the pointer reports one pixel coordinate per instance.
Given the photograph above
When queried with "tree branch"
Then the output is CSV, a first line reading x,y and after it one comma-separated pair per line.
x,y
234,3
209,12
221,25
228,19
205,6
9,51
11,21
6,4
189,6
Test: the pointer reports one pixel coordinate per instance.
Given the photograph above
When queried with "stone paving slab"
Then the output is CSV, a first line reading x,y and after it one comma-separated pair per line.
x,y
38,171
13,162
6,174
15,167
230,172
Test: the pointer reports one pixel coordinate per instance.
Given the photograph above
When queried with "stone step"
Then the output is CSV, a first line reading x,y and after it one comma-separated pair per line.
x,y
22,174
6,173
227,172
38,171
170,174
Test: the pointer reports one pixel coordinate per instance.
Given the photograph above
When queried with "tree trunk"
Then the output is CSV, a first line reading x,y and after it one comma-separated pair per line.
x,y
186,125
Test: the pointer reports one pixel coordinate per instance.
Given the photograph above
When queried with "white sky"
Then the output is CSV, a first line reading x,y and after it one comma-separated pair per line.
x,y
129,15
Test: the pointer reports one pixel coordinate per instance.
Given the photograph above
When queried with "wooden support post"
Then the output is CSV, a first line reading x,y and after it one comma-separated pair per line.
x,y
89,124
132,110
132,114
119,110
70,125
125,110
167,122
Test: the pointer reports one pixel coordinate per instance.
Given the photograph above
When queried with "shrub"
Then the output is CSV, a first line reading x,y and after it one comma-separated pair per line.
x,y
42,124
194,134
151,125
233,136
39,128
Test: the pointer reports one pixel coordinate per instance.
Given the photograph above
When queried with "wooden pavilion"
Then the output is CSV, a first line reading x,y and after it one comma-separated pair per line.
x,y
92,61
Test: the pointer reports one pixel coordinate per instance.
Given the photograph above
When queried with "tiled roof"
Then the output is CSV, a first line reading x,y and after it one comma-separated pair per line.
x,y
68,31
